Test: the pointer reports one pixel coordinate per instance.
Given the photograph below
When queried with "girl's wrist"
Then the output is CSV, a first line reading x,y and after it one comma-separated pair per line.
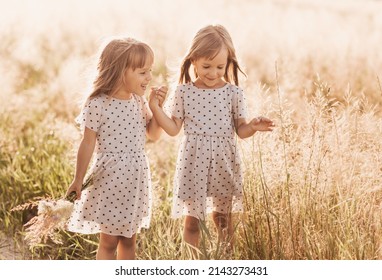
x,y
155,107
78,180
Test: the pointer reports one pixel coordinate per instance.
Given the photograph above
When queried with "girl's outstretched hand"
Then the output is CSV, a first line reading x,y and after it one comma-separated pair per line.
x,y
262,124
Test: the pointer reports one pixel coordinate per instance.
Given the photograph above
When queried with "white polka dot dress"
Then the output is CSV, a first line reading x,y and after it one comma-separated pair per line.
x,y
119,202
208,174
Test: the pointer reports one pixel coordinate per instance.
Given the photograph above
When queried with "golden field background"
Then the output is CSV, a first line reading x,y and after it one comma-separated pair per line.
x,y
313,186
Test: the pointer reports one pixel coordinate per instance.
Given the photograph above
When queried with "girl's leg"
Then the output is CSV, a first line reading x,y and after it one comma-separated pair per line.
x,y
191,231
191,234
223,223
126,248
107,247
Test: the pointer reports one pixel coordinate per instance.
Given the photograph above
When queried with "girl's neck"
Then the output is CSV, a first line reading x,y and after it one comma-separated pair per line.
x,y
199,84
122,95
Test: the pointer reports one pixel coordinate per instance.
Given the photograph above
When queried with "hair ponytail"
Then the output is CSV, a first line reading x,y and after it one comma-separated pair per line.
x,y
185,71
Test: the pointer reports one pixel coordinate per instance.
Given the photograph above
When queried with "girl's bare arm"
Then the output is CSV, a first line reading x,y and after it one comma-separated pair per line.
x,y
153,130
84,155
172,125
246,129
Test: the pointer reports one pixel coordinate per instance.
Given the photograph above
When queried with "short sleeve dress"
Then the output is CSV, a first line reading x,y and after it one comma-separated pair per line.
x,y
119,201
208,175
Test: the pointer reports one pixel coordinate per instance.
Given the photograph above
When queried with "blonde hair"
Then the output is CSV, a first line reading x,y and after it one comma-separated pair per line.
x,y
207,43
116,57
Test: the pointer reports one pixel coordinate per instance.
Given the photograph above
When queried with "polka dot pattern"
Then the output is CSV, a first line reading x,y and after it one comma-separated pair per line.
x,y
119,202
208,174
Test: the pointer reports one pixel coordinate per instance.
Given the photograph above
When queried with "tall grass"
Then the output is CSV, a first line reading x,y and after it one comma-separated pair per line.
x,y
313,191
312,187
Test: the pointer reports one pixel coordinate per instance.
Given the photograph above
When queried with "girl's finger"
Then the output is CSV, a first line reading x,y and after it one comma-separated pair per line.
x,y
161,94
154,90
163,89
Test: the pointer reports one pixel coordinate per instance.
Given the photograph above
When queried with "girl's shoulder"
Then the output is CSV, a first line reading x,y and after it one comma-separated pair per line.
x,y
234,88
99,99
184,87
93,103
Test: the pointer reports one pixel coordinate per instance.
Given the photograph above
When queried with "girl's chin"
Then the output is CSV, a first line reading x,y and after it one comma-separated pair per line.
x,y
210,84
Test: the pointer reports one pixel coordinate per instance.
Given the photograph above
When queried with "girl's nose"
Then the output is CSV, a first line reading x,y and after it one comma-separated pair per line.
x,y
213,73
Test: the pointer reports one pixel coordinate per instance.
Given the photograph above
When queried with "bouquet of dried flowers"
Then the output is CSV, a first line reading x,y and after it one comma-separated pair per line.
x,y
52,216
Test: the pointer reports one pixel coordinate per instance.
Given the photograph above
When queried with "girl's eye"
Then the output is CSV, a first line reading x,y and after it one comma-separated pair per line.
x,y
145,72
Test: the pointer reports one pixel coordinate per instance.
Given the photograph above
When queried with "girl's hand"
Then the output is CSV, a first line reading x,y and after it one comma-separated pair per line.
x,y
161,95
262,124
76,187
157,96
153,100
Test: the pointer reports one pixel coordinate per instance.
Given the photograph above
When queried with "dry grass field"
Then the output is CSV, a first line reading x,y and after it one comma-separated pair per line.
x,y
313,187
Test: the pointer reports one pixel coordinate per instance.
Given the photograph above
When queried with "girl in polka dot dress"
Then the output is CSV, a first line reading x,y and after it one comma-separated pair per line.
x,y
208,177
115,121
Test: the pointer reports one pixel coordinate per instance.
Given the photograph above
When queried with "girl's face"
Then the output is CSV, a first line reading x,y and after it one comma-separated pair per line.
x,y
211,71
137,80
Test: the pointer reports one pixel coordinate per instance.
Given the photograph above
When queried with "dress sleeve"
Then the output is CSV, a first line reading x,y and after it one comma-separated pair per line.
x,y
239,106
90,115
177,107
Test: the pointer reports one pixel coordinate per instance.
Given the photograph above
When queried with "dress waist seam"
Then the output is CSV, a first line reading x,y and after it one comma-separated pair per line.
x,y
209,135
121,153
